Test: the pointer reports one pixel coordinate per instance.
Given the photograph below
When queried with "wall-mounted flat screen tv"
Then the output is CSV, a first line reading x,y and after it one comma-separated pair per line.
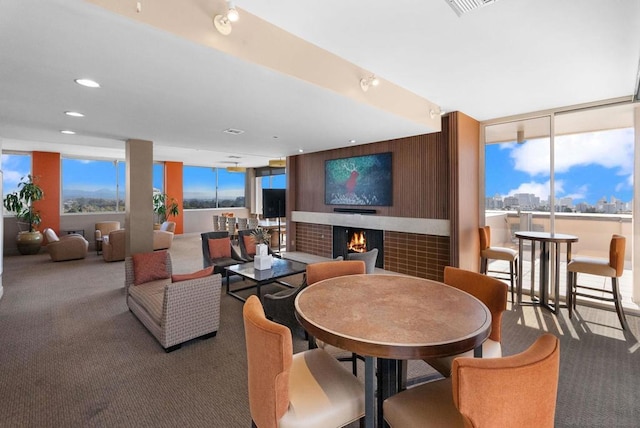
x,y
274,203
359,180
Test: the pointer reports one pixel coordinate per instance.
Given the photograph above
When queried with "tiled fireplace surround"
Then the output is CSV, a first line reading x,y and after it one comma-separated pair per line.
x,y
417,247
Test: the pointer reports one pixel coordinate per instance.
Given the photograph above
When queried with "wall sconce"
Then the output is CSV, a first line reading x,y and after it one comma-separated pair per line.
x,y
223,22
366,82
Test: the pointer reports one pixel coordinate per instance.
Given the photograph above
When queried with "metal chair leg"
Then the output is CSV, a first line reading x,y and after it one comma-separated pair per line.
x,y
617,301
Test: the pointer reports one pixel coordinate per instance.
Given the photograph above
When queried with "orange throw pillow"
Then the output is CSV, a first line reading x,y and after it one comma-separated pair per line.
x,y
249,244
220,248
149,267
197,274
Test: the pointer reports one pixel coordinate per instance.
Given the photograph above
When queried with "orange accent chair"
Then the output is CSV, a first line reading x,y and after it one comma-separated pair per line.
x,y
306,390
515,391
613,268
487,252
491,292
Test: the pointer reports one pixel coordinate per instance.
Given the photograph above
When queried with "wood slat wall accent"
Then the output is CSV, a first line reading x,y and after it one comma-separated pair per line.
x,y
420,176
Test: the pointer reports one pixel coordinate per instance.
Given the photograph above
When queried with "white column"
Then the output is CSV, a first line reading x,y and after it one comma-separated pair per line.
x,y
139,197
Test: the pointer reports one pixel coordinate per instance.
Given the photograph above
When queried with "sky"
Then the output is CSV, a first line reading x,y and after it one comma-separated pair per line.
x,y
83,177
588,167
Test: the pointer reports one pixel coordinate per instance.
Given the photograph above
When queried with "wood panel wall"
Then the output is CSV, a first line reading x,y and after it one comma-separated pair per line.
x,y
420,177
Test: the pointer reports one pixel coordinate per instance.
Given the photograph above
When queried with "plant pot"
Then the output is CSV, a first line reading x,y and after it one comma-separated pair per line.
x,y
29,242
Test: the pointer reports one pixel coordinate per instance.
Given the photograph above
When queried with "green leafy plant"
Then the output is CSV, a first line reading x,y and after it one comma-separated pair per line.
x,y
21,202
261,236
164,207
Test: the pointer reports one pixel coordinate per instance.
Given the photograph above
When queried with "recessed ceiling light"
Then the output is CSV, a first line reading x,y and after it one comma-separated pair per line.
x,y
352,141
88,83
74,113
300,151
66,131
233,131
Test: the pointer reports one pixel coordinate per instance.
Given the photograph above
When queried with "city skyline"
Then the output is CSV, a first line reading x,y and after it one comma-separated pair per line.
x,y
588,167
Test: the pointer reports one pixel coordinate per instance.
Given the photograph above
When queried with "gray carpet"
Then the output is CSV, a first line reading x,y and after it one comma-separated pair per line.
x,y
71,354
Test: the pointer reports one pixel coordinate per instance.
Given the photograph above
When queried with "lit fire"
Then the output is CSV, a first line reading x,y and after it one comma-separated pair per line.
x,y
358,243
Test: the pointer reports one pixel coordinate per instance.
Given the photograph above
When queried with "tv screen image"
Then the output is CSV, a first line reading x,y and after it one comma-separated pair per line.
x,y
273,203
358,180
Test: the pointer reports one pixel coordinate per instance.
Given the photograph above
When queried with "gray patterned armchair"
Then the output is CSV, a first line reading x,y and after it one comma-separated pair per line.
x,y
175,312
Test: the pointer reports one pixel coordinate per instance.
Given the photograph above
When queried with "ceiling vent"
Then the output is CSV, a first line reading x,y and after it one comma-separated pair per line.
x,y
460,7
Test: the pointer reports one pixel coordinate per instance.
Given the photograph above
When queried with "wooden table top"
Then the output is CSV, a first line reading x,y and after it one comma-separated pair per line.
x,y
395,317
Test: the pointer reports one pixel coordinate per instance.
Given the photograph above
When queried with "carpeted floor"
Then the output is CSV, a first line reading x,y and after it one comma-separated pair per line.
x,y
71,355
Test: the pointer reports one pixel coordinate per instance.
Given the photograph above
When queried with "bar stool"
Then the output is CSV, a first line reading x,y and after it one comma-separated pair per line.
x,y
612,268
487,252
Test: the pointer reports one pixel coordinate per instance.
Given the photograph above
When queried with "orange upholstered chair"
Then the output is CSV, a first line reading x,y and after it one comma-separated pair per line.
x,y
487,252
515,391
309,389
489,291
613,268
324,270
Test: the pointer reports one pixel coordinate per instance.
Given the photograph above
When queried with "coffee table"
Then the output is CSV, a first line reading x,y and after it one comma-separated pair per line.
x,y
279,269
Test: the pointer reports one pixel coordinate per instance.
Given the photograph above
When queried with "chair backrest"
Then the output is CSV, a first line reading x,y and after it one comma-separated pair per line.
x,y
216,222
103,228
325,270
269,359
485,237
616,253
252,223
242,234
490,291
243,223
368,257
168,226
51,235
206,256
528,379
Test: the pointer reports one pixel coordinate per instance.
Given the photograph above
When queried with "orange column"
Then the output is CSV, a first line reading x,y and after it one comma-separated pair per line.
x,y
173,189
45,168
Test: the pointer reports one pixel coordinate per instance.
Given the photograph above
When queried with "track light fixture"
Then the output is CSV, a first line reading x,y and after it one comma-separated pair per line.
x,y
223,22
366,82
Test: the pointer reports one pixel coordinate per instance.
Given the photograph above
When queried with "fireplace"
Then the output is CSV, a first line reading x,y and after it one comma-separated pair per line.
x,y
356,239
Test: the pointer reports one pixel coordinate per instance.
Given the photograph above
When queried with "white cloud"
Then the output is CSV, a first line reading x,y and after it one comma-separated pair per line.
x,y
610,149
539,189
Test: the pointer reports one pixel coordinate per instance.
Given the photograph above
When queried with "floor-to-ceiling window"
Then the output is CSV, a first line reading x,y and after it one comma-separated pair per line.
x,y
566,172
212,188
14,167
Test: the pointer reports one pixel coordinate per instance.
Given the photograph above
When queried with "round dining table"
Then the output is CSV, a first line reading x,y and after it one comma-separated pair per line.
x,y
391,318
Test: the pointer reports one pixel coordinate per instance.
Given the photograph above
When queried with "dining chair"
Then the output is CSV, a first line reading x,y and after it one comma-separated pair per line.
x,y
487,252
317,272
309,389
490,291
280,306
368,257
612,268
514,391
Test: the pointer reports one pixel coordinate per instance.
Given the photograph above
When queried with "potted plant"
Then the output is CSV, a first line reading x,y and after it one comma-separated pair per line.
x,y
261,236
21,202
164,207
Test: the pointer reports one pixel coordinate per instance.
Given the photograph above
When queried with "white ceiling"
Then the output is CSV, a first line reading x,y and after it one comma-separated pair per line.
x,y
512,57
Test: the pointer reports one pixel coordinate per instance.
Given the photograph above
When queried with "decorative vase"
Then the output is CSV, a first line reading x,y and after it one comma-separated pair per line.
x,y
29,242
